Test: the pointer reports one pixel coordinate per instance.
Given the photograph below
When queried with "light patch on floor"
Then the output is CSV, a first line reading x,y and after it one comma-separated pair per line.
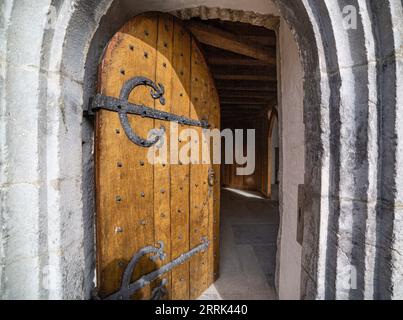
x,y
247,194
249,226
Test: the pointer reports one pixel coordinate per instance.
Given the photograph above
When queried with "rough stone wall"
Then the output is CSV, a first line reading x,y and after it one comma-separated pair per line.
x,y
354,154
353,96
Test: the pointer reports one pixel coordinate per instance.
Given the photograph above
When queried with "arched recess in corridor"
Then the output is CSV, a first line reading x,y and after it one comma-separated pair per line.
x,y
273,157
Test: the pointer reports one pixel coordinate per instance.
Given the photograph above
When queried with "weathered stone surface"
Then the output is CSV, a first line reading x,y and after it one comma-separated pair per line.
x,y
354,143
357,225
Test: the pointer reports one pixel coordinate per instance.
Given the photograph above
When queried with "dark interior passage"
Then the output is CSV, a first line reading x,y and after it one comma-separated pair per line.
x,y
242,60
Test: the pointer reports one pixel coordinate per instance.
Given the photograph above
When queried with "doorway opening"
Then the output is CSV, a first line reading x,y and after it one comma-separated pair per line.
x,y
242,60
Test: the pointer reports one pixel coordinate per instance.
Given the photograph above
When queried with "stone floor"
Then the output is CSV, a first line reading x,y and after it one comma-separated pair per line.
x,y
249,226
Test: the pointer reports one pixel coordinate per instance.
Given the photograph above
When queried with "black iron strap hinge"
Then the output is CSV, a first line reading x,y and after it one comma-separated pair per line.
x,y
128,289
123,108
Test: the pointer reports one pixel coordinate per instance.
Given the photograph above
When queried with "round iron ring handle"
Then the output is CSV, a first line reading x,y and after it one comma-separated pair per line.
x,y
157,92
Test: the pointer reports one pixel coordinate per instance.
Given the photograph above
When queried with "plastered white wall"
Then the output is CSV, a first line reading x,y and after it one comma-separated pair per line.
x,y
292,169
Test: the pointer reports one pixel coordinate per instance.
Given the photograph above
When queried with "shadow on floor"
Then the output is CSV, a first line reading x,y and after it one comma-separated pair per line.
x,y
249,227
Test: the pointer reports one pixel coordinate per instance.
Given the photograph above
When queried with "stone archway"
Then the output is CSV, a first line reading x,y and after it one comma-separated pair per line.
x,y
353,94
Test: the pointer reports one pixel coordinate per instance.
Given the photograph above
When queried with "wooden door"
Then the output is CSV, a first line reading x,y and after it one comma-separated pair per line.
x,y
140,204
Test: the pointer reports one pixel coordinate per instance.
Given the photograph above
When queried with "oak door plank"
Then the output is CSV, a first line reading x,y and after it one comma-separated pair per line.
x,y
162,174
199,195
180,173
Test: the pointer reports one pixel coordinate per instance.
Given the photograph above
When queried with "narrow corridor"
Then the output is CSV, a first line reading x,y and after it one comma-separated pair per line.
x,y
249,226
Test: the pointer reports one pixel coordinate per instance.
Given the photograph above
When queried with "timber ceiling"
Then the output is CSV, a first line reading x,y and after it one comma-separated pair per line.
x,y
242,59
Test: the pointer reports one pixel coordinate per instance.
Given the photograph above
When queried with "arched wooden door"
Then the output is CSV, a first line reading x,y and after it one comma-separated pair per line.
x,y
140,204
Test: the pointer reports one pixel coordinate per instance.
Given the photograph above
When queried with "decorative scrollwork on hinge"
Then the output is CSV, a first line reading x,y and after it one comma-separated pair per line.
x,y
127,289
123,108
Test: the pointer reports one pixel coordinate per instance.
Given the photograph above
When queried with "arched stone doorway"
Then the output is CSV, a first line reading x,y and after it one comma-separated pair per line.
x,y
353,94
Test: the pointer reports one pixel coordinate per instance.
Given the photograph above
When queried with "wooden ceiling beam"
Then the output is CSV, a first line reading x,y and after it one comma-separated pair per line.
x,y
247,70
239,114
246,85
245,99
246,29
249,105
241,110
239,118
249,102
245,103
223,61
229,121
241,90
236,115
262,40
232,107
218,38
246,77
246,94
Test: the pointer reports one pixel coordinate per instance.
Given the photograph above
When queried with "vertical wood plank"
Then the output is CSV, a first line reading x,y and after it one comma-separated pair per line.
x,y
107,178
199,191
180,173
214,191
217,192
162,185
